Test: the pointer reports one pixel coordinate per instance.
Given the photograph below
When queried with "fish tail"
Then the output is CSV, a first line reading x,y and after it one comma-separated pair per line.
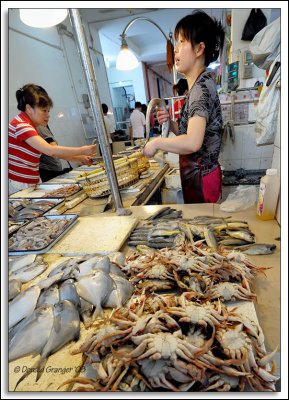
x,y
38,366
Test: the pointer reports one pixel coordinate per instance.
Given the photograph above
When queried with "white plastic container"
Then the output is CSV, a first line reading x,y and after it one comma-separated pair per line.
x,y
268,195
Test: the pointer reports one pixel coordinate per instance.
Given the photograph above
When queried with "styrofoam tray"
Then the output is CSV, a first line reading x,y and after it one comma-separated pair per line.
x,y
96,234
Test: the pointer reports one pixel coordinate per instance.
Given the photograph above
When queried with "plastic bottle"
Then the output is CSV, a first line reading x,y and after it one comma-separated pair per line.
x,y
268,195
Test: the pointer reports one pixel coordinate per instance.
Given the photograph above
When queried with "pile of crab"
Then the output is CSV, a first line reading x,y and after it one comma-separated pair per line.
x,y
171,342
208,274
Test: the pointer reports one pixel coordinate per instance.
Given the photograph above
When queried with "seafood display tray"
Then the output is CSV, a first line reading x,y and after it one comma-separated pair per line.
x,y
72,220
57,202
38,191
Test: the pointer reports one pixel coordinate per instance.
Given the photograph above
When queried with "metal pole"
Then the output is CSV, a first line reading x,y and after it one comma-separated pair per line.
x,y
95,105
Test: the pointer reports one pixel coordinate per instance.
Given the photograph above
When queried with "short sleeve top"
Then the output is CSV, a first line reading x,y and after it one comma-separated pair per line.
x,y
203,100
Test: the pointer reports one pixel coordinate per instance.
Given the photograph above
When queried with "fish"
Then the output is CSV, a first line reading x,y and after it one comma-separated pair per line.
x,y
14,288
121,293
30,336
117,257
95,288
23,305
242,234
210,238
85,267
67,291
65,328
232,242
18,262
257,248
156,102
29,272
49,296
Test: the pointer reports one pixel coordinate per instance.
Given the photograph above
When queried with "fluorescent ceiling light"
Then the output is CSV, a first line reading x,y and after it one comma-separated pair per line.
x,y
41,17
126,59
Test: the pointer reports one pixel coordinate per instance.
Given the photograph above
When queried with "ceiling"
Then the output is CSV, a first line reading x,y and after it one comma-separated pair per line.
x,y
143,37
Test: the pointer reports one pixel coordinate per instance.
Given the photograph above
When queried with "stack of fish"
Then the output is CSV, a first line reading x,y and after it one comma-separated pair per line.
x,y
162,234
47,315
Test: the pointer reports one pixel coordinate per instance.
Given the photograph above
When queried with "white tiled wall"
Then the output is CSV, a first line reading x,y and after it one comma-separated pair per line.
x,y
243,152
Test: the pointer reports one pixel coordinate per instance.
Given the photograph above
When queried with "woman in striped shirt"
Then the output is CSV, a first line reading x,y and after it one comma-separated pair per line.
x,y
25,145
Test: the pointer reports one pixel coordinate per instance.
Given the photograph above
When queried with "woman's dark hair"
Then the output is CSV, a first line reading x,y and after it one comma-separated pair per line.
x,y
181,87
33,95
200,27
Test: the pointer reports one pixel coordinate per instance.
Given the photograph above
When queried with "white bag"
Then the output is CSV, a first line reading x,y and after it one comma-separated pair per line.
x,y
265,46
267,113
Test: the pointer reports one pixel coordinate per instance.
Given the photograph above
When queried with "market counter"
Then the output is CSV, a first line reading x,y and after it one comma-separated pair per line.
x,y
266,287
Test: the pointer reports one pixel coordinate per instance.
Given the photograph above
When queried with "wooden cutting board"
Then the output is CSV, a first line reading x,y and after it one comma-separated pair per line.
x,y
95,234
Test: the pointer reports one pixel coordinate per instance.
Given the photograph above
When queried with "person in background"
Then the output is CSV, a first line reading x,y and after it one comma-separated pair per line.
x,y
179,89
109,123
25,145
137,123
200,39
50,167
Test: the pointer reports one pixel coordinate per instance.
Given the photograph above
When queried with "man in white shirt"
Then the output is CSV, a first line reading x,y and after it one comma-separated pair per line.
x,y
109,121
137,123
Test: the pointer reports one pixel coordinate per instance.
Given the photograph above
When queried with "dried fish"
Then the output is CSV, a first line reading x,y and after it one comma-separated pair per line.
x,y
242,234
49,296
23,305
29,272
257,248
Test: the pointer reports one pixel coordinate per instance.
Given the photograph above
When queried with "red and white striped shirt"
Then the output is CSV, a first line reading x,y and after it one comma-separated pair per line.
x,y
23,160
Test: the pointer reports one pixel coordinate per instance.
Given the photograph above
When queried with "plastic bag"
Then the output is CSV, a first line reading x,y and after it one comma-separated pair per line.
x,y
267,113
243,198
265,46
254,24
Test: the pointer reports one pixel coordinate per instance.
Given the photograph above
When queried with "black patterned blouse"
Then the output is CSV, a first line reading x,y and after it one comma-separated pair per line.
x,y
203,100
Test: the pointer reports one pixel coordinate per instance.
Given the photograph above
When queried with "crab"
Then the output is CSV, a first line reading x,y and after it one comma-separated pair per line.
x,y
226,291
198,314
156,271
234,342
223,383
168,346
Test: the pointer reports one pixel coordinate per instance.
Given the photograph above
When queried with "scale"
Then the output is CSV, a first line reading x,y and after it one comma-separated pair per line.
x,y
233,76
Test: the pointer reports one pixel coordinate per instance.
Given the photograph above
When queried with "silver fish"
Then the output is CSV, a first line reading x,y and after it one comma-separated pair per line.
x,y
121,293
156,102
95,288
66,327
23,305
14,288
29,272
49,296
257,248
18,262
117,257
67,291
85,267
31,335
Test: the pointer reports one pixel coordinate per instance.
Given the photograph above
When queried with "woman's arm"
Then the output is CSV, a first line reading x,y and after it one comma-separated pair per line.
x,y
183,144
59,151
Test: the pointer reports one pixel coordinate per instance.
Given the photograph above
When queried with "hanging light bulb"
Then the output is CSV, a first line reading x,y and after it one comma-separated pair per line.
x,y
126,59
43,18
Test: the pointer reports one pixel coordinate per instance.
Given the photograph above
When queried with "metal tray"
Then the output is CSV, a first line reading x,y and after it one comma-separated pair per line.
x,y
38,191
56,202
72,220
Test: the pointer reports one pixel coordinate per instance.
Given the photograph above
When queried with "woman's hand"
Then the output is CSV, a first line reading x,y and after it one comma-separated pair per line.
x,y
89,150
150,148
162,116
87,160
